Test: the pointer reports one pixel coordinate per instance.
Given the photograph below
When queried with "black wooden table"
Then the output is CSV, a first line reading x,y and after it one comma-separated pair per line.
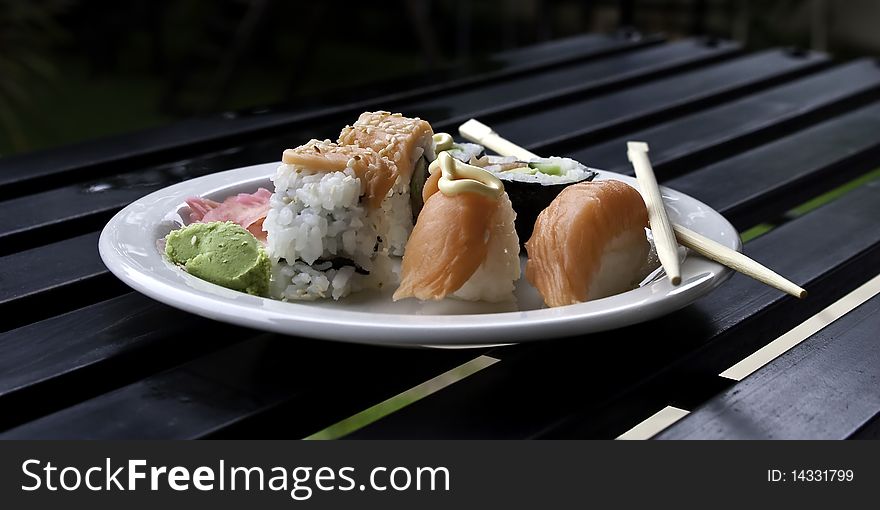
x,y
752,134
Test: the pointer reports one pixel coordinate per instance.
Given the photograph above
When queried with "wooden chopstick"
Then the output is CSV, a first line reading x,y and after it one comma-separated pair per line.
x,y
478,132
664,237
482,134
736,261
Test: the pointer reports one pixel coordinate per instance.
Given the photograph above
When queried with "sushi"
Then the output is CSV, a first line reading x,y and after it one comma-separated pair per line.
x,y
470,153
329,223
409,144
464,243
533,184
589,243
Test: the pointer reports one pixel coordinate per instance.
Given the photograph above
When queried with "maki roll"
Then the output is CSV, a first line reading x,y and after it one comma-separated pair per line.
x,y
464,244
443,142
589,243
408,143
329,225
533,185
465,152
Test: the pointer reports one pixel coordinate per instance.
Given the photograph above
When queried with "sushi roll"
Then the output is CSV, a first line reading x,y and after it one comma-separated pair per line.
x,y
328,225
465,152
464,243
443,142
409,144
533,184
589,243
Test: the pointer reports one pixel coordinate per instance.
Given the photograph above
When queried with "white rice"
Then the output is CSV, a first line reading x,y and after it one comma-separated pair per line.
x,y
494,280
572,171
397,206
318,216
300,281
396,218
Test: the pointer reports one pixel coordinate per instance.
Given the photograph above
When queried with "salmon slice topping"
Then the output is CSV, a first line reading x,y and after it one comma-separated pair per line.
x,y
398,138
376,173
447,245
431,185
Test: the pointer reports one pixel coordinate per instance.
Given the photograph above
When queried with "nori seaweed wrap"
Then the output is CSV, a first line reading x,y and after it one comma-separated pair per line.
x,y
532,185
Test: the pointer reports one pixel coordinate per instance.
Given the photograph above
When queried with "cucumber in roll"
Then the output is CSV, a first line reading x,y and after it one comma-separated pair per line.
x,y
532,185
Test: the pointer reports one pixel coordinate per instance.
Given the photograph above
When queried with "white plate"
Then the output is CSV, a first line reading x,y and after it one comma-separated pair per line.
x,y
129,248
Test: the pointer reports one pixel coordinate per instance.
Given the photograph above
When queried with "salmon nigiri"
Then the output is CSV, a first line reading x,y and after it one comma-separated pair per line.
x,y
589,243
463,244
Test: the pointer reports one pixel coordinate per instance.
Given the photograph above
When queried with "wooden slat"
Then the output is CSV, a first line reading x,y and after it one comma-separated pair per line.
x,y
71,357
766,181
44,281
564,50
586,121
31,172
59,362
600,385
823,388
319,382
692,141
72,210
448,110
68,210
